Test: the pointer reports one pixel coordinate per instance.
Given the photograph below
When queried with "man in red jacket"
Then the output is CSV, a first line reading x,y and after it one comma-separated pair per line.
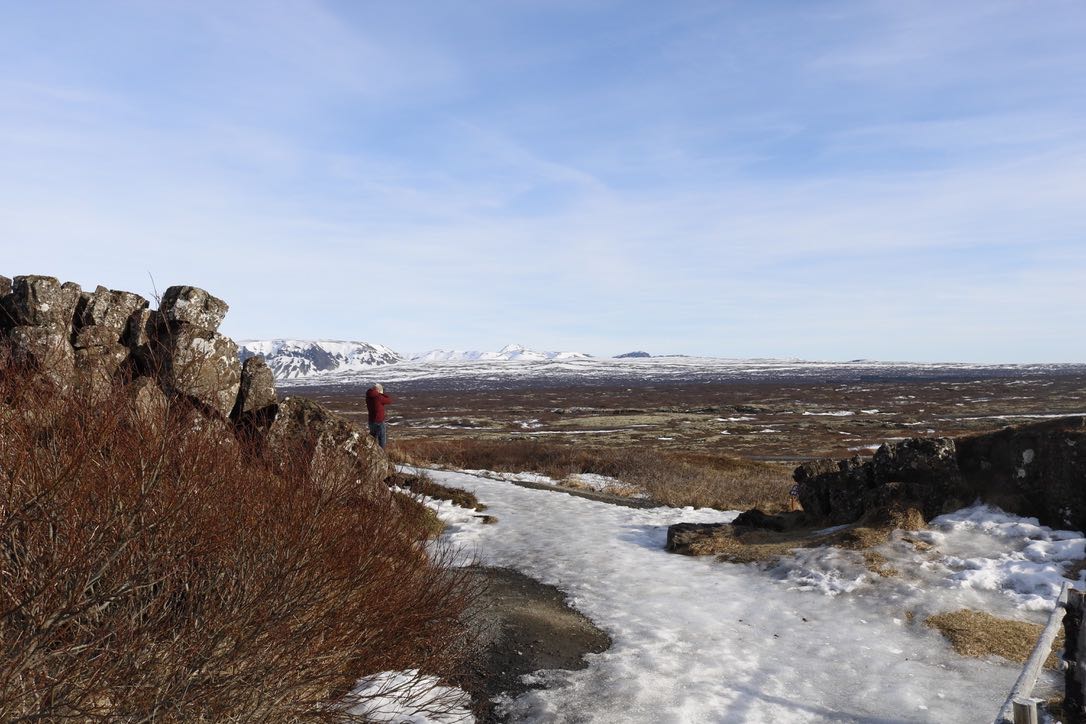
x,y
376,399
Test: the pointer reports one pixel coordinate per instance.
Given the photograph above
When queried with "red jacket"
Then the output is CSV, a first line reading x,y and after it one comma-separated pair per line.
x,y
375,404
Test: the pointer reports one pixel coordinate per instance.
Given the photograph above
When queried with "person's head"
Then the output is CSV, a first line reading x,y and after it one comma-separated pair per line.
x,y
379,387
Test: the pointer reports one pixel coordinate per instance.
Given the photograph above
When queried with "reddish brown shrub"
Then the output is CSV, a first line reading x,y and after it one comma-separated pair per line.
x,y
159,569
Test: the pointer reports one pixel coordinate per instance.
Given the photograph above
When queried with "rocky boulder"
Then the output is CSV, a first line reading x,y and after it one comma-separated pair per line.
x,y
193,306
689,539
199,364
109,309
97,368
921,471
42,302
90,342
257,390
301,425
95,336
46,351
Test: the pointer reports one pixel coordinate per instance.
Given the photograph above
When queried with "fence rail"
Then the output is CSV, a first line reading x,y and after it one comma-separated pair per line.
x,y
1020,706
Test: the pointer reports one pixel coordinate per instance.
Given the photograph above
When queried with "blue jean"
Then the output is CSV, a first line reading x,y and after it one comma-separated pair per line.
x,y
379,430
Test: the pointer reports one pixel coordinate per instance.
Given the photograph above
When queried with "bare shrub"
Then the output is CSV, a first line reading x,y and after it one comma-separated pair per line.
x,y
670,478
161,569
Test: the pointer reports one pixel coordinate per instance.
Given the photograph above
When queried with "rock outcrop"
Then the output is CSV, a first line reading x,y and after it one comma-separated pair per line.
x,y
323,437
923,471
1037,470
257,389
90,342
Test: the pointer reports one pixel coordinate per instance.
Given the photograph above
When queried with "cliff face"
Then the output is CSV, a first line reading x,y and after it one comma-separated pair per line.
x,y
1037,470
84,343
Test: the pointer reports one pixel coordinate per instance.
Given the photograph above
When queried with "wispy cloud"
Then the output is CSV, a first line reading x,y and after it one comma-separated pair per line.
x,y
849,180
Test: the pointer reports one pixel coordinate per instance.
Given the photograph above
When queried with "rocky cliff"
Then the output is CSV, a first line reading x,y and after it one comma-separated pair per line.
x,y
88,342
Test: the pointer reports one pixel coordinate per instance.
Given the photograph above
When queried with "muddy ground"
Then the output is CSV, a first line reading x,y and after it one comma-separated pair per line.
x,y
522,626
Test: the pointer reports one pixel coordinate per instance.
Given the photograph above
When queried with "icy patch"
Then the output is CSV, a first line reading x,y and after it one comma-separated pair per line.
x,y
835,413
989,550
827,570
406,697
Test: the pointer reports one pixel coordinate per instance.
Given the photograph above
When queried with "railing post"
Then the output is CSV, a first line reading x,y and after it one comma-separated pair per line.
x,y
1025,710
1074,649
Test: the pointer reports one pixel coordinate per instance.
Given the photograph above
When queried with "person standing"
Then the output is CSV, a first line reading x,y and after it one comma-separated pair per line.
x,y
376,399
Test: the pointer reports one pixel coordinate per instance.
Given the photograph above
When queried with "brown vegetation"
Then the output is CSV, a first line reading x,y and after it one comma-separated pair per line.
x,y
670,478
975,633
154,567
424,485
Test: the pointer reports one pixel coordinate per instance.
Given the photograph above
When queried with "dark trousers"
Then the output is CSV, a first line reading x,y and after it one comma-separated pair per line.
x,y
379,430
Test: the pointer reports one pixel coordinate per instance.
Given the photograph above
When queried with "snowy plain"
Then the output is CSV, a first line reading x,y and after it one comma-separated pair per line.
x,y
496,373
816,638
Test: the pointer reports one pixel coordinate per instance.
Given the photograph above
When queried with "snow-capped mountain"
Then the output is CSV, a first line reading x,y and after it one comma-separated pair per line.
x,y
291,358
508,352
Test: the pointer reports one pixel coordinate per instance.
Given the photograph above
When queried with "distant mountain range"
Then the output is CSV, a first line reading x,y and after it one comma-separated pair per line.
x,y
292,359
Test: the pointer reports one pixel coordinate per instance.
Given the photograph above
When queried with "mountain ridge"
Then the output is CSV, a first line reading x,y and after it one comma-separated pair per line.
x,y
295,359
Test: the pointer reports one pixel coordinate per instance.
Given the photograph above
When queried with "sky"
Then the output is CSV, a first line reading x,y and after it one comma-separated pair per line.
x,y
821,179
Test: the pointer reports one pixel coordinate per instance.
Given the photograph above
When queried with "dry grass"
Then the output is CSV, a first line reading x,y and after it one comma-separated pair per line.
x,y
877,564
423,485
670,478
875,527
975,633
160,569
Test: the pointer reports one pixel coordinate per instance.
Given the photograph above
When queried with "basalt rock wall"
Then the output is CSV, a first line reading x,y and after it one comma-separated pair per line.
x,y
1037,470
86,342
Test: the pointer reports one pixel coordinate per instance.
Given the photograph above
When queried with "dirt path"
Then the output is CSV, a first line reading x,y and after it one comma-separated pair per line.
x,y
522,626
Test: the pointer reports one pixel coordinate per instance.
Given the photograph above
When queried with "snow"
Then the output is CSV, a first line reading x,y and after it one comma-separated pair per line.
x,y
515,365
291,358
407,697
817,637
509,352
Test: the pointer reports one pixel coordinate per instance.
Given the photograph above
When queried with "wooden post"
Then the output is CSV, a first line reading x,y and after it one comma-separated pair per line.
x,y
1074,647
1018,704
1025,710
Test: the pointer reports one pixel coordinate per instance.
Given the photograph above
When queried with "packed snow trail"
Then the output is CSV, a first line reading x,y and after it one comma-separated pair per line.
x,y
696,640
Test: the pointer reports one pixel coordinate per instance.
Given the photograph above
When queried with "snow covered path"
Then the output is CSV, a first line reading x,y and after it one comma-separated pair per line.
x,y
696,640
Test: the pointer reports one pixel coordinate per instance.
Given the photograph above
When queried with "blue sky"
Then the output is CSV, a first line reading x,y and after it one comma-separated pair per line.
x,y
827,180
